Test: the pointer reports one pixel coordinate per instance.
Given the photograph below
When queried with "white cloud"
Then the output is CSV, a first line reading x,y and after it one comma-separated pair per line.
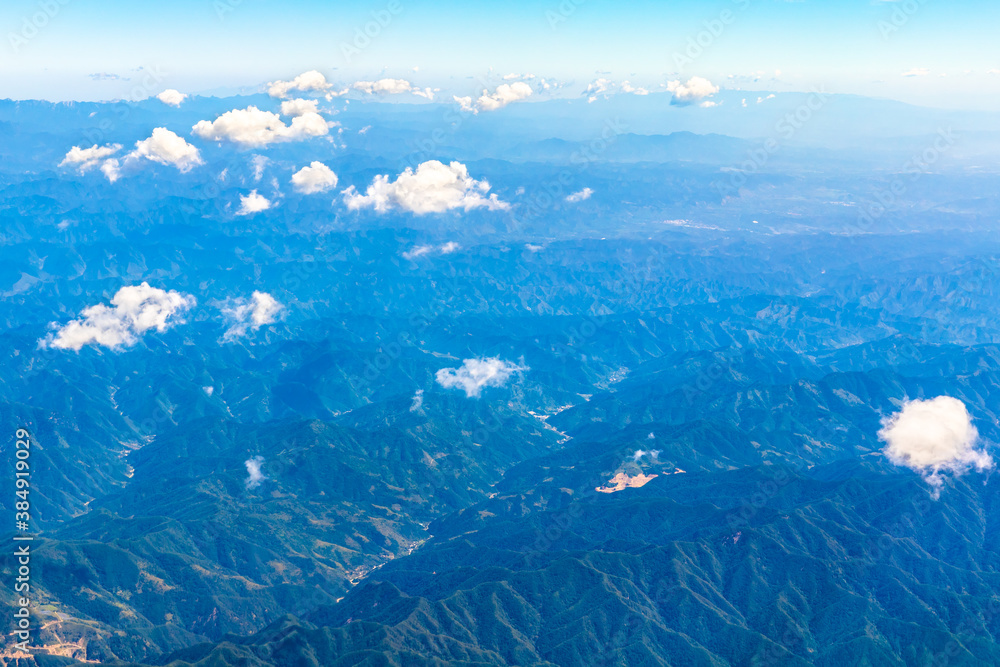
x,y
993,71
384,87
418,251
254,475
421,250
503,95
498,99
86,158
253,313
171,97
606,87
418,401
311,81
133,311
579,196
111,169
695,90
465,103
162,147
627,87
475,374
208,390
253,203
165,147
252,127
259,162
549,84
433,188
934,436
317,177
598,87
916,71
299,107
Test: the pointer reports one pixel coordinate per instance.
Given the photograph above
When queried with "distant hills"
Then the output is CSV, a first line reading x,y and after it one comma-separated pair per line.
x,y
311,491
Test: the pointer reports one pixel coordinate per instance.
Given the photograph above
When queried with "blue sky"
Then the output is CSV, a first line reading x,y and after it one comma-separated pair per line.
x,y
52,47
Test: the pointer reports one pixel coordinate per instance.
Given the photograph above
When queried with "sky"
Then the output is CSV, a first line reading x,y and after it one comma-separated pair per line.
x,y
926,52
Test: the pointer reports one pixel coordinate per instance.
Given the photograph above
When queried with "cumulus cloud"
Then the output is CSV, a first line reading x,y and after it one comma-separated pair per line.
x,y
598,87
111,169
253,313
162,146
252,127
466,103
579,196
627,87
449,248
134,310
86,158
418,401
317,177
255,477
932,437
432,188
253,203
695,90
311,81
165,147
498,99
299,107
171,97
606,87
504,95
916,71
475,374
384,87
